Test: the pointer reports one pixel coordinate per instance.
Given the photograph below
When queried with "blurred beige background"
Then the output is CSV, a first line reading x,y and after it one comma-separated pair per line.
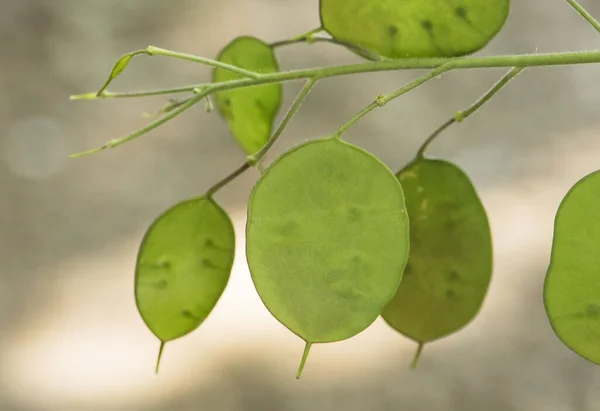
x,y
70,335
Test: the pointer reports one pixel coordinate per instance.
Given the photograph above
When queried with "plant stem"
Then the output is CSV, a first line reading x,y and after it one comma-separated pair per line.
x,y
417,356
124,60
382,100
129,94
255,158
433,136
438,65
583,12
511,74
521,60
148,128
235,174
462,115
309,40
157,51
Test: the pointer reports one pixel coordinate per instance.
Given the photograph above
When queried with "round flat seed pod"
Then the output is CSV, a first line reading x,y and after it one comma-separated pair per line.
x,y
249,111
572,285
450,263
415,28
183,266
327,239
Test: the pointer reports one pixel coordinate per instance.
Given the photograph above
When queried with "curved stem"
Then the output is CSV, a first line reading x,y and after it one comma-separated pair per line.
x,y
584,13
157,51
462,115
433,136
235,174
124,60
255,159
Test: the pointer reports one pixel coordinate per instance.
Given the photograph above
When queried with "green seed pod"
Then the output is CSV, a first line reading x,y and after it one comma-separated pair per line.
x,y
327,239
415,28
183,266
572,285
250,111
450,262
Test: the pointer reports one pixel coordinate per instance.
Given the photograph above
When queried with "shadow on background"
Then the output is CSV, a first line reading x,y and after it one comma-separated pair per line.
x,y
70,336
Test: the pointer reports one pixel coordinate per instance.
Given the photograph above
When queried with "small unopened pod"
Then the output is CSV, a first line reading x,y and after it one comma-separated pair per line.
x,y
450,263
327,239
183,266
249,111
415,28
572,284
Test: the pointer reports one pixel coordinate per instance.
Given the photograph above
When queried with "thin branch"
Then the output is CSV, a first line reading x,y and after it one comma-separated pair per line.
x,y
288,116
254,159
235,174
382,100
130,94
434,135
504,80
124,60
438,66
300,38
520,60
583,12
148,128
157,51
462,115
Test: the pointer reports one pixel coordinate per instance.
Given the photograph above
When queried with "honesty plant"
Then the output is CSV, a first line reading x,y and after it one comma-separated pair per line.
x,y
334,237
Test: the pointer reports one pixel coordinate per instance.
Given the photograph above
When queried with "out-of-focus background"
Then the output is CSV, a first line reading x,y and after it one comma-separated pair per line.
x,y
70,335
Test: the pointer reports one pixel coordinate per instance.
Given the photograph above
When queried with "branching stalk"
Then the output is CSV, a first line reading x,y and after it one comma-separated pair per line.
x,y
517,60
124,60
255,159
132,94
382,100
169,116
157,51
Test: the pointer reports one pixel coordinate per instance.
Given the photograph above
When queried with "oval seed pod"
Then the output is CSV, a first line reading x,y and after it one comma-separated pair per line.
x,y
183,266
326,239
415,28
450,263
249,111
572,284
